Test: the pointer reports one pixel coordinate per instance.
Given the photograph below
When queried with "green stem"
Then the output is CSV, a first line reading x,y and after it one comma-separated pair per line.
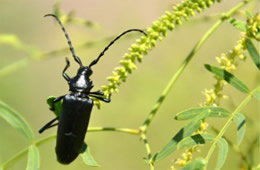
x,y
148,150
229,121
44,140
123,130
186,62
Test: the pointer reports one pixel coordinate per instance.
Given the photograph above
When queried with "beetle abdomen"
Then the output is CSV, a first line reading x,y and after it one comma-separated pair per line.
x,y
73,124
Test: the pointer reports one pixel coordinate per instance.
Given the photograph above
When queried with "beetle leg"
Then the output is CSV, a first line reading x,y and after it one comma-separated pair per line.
x,y
66,77
101,97
49,125
56,100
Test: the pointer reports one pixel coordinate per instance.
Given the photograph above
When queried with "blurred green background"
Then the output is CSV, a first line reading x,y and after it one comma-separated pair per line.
x,y
27,89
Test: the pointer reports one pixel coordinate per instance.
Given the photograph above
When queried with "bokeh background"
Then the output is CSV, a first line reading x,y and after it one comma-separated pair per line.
x,y
26,90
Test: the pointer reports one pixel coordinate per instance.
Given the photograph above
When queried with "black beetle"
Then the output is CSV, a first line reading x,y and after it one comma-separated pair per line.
x,y
76,107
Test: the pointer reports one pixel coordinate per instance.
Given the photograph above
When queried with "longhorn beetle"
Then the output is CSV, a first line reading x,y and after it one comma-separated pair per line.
x,y
77,105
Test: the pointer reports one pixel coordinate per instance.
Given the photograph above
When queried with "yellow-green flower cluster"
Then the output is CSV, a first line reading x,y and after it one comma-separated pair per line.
x,y
186,157
226,61
157,31
253,27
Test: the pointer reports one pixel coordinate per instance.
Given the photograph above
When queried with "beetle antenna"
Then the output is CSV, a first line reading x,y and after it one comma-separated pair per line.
x,y
76,58
112,42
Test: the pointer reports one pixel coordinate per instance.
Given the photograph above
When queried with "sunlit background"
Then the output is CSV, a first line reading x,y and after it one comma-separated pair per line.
x,y
26,89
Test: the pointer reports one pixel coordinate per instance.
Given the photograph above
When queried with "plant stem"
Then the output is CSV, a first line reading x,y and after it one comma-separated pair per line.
x,y
51,137
124,130
186,62
148,150
229,121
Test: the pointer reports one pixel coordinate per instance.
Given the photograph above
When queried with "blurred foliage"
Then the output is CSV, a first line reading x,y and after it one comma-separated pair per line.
x,y
192,135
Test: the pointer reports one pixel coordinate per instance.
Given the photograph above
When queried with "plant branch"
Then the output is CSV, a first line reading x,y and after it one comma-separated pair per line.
x,y
123,130
229,121
148,150
186,62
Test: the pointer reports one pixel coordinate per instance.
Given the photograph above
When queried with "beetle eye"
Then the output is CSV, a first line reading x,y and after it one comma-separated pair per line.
x,y
88,72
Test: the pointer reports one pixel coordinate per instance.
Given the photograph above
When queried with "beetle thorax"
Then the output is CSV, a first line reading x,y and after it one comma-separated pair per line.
x,y
81,82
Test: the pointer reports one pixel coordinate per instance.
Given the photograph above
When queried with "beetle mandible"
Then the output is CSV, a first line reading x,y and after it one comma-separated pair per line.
x,y
77,105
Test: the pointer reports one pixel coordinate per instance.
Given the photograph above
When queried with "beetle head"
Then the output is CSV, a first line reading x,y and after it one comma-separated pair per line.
x,y
84,70
81,82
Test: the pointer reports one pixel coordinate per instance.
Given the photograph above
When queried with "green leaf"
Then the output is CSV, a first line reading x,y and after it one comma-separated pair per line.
x,y
197,164
33,162
186,131
16,121
240,25
253,52
228,77
222,153
213,112
57,105
88,158
240,121
194,140
256,93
